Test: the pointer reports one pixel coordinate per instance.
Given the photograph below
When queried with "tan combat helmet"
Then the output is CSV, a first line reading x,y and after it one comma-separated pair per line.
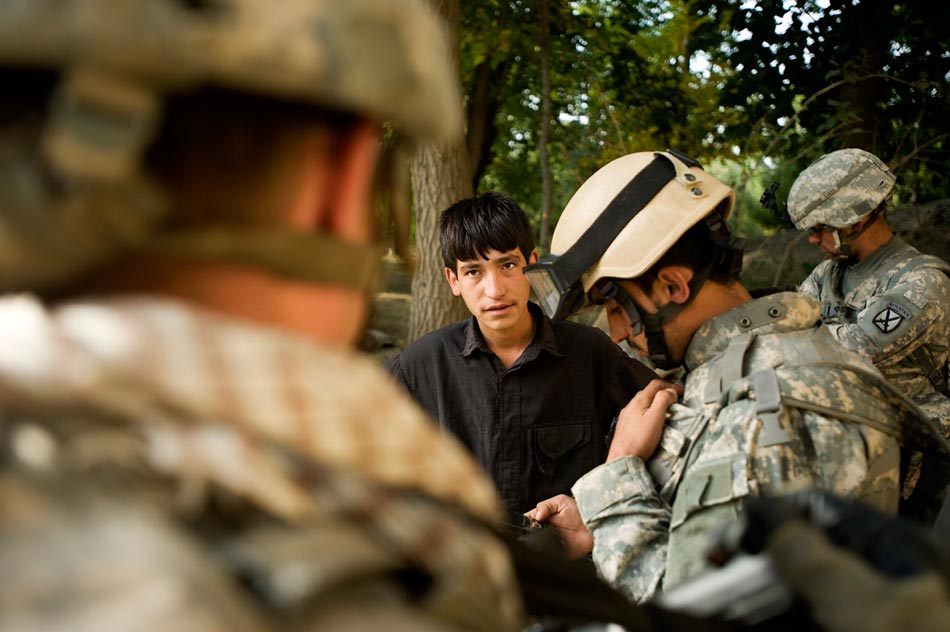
x,y
838,189
651,214
620,222
117,60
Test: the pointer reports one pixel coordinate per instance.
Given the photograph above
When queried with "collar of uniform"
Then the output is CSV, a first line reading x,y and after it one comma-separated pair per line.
x,y
775,313
543,340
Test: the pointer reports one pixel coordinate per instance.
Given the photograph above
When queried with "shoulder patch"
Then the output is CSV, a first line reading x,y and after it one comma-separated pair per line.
x,y
890,318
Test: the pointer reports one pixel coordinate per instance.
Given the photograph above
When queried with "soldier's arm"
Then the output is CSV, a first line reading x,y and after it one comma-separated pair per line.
x,y
630,525
619,501
811,286
913,314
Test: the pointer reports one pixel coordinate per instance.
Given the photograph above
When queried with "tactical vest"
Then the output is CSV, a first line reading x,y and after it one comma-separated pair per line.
x,y
775,387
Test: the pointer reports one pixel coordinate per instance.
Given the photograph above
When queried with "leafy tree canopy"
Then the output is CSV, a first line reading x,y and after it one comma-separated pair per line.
x,y
755,90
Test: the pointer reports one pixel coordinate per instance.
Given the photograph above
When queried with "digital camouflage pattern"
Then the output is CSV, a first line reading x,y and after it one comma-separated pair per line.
x,y
765,411
156,455
894,309
163,467
839,189
385,58
120,59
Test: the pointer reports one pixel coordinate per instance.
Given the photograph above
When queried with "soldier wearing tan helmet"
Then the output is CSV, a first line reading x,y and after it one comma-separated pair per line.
x,y
768,404
187,250
879,296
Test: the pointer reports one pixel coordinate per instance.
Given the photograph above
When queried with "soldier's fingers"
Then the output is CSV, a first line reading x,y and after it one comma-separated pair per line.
x,y
663,400
644,399
546,508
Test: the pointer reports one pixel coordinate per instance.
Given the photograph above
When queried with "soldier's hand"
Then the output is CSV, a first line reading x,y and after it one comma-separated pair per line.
x,y
561,512
640,423
845,593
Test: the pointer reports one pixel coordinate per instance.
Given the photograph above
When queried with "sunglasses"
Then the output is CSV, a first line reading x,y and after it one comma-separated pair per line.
x,y
820,229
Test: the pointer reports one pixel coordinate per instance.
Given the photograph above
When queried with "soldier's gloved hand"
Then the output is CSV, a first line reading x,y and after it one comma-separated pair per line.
x,y
845,593
896,548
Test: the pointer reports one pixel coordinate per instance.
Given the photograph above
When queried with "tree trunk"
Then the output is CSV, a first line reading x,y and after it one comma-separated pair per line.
x,y
483,104
544,235
440,177
860,96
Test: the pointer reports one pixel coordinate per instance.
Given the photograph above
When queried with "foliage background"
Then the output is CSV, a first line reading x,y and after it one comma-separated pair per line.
x,y
755,90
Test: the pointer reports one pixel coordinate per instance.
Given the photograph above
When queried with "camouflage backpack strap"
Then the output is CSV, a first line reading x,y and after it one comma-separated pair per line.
x,y
804,380
833,307
731,369
817,361
910,264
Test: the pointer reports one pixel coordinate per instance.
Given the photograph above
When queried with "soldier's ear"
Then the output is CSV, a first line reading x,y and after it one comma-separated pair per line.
x,y
672,284
350,193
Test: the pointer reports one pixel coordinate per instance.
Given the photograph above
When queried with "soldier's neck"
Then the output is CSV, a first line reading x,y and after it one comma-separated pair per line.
x,y
325,314
876,235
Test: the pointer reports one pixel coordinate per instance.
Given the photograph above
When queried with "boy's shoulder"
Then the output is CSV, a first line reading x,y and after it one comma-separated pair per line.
x,y
450,338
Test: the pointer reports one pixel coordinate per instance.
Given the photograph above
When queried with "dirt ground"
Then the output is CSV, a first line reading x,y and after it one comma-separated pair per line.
x,y
926,227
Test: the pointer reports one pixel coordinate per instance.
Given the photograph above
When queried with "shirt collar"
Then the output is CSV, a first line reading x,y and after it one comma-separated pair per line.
x,y
543,340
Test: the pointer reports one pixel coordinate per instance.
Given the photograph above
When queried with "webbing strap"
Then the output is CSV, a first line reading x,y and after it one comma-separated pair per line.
x,y
591,246
311,257
729,370
768,408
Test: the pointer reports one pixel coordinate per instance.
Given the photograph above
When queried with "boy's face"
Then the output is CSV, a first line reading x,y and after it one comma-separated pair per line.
x,y
495,289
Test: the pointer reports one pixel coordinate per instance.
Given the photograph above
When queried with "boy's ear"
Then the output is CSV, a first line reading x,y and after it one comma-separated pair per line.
x,y
533,257
453,280
672,283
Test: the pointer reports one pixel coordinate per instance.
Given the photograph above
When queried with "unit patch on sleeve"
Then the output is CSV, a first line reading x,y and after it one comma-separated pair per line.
x,y
890,318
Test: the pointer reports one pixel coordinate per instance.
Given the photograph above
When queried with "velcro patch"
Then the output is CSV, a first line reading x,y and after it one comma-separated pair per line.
x,y
890,318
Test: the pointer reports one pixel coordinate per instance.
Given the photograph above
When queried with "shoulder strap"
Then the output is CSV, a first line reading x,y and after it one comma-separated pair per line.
x,y
895,274
819,353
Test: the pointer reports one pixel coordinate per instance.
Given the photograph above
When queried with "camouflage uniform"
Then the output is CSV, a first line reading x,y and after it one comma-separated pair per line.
x,y
894,309
199,452
765,410
167,467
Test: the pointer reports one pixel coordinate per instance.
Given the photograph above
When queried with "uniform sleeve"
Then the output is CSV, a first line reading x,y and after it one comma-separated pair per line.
x,y
912,315
811,286
630,525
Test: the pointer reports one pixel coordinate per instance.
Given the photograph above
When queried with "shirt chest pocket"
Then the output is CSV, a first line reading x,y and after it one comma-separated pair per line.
x,y
562,442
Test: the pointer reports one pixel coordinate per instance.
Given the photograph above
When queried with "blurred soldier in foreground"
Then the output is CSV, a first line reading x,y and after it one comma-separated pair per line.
x,y
771,403
186,443
879,296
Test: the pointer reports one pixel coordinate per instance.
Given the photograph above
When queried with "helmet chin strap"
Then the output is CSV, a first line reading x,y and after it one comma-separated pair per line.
x,y
652,324
842,253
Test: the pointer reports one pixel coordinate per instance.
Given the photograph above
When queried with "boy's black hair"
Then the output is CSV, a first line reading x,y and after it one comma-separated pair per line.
x,y
472,227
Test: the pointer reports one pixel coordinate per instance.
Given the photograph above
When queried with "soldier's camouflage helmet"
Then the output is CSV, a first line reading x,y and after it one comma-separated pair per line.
x,y
690,196
117,60
839,189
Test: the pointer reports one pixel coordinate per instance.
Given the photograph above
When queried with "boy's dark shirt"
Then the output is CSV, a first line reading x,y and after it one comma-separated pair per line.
x,y
537,426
